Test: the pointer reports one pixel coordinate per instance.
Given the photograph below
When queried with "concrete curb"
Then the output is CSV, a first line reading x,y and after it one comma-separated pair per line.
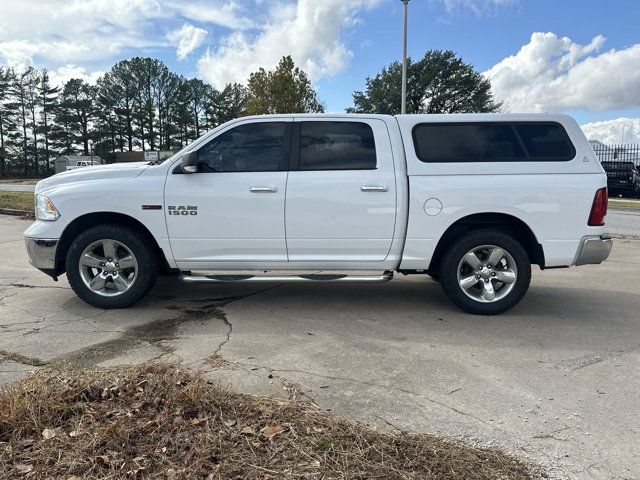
x,y
15,213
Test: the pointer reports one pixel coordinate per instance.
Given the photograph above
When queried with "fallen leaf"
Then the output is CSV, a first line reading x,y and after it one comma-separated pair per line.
x,y
248,431
74,433
198,421
102,459
171,474
229,423
272,431
48,433
543,435
22,468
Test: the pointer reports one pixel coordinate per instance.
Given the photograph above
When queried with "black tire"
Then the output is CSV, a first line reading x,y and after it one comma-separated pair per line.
x,y
467,242
147,265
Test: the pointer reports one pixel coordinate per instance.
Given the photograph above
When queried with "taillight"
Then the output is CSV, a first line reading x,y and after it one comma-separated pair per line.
x,y
598,208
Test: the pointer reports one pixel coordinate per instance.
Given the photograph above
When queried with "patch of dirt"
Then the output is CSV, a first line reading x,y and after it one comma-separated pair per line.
x,y
152,333
23,359
164,421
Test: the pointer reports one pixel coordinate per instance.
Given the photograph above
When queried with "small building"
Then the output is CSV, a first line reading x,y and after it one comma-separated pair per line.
x,y
64,161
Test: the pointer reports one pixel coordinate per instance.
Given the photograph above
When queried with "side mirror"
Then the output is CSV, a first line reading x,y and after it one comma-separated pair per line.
x,y
189,162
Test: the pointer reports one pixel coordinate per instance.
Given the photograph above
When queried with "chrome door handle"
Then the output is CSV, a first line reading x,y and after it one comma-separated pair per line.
x,y
374,188
263,189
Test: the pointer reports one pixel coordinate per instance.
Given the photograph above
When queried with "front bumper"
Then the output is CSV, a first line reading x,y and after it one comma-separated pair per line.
x,y
594,250
42,253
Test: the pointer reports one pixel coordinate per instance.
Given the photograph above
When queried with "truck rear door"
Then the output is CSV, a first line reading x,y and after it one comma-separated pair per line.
x,y
341,191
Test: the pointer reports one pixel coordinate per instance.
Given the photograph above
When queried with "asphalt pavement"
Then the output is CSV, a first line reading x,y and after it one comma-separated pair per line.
x,y
554,380
623,222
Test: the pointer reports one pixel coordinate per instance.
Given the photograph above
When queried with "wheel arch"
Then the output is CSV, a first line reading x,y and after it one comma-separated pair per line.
x,y
501,221
84,222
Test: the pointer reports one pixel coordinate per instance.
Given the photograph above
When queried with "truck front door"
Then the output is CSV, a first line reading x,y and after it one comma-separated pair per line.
x,y
232,209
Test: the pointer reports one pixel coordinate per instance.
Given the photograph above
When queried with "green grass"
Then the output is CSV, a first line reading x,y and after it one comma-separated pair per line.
x,y
17,200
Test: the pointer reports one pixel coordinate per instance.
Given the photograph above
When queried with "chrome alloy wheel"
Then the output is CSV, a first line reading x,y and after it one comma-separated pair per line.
x,y
108,267
487,273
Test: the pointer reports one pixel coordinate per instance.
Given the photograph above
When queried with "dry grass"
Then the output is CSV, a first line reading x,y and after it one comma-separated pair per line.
x,y
17,200
169,422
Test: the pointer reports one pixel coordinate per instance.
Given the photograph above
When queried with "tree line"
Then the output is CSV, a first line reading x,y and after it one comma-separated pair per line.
x,y
140,104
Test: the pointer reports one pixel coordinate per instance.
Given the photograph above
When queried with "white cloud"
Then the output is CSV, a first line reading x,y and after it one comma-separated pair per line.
x,y
187,39
70,31
61,32
65,73
310,33
553,73
477,6
620,130
228,14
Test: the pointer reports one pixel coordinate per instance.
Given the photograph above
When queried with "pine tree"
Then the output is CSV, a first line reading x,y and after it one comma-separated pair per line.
x,y
48,98
7,125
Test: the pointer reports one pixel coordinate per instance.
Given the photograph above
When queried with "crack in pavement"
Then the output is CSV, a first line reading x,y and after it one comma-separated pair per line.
x,y
156,332
587,360
25,285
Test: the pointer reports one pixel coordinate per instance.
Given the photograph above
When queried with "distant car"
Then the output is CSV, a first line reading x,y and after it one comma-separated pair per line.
x,y
83,163
623,178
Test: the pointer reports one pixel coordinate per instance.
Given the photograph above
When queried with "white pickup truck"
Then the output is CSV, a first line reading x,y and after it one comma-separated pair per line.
x,y
471,200
82,164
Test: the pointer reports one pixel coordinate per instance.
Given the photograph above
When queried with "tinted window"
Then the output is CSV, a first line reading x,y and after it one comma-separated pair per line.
x,y
252,147
492,142
544,140
336,146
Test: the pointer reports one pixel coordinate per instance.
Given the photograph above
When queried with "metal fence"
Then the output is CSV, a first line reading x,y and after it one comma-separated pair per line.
x,y
622,164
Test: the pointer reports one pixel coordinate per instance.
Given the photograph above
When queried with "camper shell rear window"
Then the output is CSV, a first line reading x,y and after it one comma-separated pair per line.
x,y
492,142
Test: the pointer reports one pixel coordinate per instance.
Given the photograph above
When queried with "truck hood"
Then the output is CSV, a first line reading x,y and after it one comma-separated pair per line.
x,y
98,173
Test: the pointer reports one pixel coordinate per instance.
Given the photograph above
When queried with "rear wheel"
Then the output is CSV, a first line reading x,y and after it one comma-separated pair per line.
x,y
485,272
111,266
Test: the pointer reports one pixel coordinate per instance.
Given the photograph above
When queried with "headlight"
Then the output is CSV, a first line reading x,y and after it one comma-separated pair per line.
x,y
45,209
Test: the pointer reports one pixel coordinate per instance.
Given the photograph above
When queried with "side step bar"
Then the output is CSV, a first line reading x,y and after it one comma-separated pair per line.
x,y
385,277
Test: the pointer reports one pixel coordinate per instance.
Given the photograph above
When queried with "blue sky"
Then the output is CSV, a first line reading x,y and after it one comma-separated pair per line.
x,y
576,56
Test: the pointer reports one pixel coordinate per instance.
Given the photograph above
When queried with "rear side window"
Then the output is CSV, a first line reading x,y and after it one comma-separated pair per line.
x,y
337,146
492,142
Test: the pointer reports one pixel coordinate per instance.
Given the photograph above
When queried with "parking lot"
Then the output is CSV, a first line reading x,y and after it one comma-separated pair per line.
x,y
554,380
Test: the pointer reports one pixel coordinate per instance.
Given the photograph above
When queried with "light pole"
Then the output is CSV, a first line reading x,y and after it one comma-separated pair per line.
x,y
405,7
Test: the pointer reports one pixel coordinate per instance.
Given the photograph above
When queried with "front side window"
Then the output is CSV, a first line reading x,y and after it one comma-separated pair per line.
x,y
492,142
337,146
252,147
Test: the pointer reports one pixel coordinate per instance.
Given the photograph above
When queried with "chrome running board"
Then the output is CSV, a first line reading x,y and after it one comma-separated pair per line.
x,y
313,277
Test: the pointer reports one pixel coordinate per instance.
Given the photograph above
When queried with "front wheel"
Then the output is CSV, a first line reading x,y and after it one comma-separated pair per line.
x,y
485,272
111,266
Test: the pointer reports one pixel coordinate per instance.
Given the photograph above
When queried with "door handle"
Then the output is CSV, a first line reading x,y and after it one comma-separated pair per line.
x,y
263,189
374,188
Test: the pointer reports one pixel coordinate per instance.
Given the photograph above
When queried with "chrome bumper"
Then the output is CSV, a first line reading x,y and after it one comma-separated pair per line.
x,y
594,250
42,252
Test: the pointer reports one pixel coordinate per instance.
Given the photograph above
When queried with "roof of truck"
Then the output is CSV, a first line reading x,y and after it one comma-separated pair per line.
x,y
430,117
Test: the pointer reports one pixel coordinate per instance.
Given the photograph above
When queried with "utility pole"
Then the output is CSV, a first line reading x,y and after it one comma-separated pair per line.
x,y
405,7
